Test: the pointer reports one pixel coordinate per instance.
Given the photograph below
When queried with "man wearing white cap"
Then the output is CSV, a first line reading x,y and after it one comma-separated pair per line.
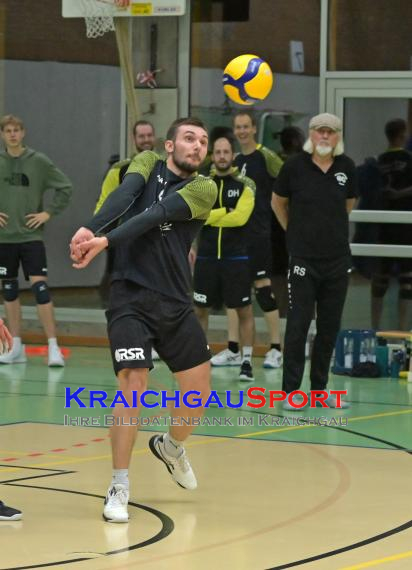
x,y
314,193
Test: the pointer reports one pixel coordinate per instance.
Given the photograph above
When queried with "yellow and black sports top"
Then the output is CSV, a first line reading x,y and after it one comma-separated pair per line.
x,y
223,236
112,180
161,215
262,166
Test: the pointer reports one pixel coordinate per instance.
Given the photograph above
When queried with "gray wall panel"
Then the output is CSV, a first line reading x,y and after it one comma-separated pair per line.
x,y
71,113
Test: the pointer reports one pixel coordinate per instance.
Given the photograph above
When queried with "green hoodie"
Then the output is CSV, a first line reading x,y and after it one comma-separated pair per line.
x,y
23,181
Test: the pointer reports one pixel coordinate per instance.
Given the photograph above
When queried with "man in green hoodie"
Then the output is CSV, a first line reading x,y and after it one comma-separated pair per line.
x,y
25,175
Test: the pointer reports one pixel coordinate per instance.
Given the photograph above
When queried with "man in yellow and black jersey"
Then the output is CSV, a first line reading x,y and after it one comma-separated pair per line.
x,y
222,272
151,297
215,133
144,139
262,166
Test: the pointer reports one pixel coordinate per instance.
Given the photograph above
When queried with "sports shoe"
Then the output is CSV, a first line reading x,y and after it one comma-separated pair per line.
x,y
286,405
273,359
14,356
155,355
332,403
226,358
246,372
55,356
179,467
9,514
115,504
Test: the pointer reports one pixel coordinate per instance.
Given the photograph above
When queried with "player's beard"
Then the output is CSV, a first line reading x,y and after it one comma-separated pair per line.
x,y
323,150
224,168
144,146
185,166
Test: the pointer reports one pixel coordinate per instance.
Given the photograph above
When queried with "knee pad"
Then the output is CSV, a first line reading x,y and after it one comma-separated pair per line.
x,y
380,284
405,287
266,299
10,289
41,292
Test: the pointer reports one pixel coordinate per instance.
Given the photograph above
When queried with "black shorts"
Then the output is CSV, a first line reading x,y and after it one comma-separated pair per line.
x,y
260,256
218,281
151,319
31,255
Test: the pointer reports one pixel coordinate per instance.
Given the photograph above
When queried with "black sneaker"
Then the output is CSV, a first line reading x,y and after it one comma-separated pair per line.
x,y
246,372
9,514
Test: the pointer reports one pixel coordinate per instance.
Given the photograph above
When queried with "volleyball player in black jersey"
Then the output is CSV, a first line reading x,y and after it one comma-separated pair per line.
x,y
163,204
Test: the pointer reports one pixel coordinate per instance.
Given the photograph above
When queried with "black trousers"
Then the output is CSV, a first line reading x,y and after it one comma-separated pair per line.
x,y
313,284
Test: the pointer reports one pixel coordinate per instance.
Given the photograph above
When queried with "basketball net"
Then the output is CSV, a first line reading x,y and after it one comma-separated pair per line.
x,y
97,26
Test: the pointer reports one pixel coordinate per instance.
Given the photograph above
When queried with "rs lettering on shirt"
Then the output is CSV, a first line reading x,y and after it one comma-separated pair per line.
x,y
301,271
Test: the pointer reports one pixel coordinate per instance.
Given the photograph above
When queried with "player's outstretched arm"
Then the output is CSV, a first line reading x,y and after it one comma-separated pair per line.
x,y
172,209
193,201
117,203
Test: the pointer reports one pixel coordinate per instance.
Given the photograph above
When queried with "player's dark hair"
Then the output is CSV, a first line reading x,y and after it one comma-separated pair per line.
x,y
248,113
292,139
229,137
395,128
220,132
142,123
172,131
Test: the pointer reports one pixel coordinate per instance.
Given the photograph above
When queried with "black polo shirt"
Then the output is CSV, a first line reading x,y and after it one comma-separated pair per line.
x,y
318,225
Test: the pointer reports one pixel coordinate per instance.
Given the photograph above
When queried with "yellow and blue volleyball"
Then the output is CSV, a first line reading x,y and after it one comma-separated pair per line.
x,y
247,79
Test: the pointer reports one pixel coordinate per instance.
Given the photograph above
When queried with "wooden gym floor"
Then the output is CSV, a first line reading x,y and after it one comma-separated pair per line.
x,y
269,496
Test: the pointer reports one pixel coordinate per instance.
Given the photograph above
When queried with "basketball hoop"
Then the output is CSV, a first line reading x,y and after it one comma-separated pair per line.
x,y
97,26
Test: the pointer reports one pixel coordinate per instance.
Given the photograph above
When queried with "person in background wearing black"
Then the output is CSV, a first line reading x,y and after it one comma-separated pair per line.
x,y
291,140
396,167
262,165
314,193
221,271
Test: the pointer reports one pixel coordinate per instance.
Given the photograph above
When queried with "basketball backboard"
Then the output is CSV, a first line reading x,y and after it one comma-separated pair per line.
x,y
76,8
